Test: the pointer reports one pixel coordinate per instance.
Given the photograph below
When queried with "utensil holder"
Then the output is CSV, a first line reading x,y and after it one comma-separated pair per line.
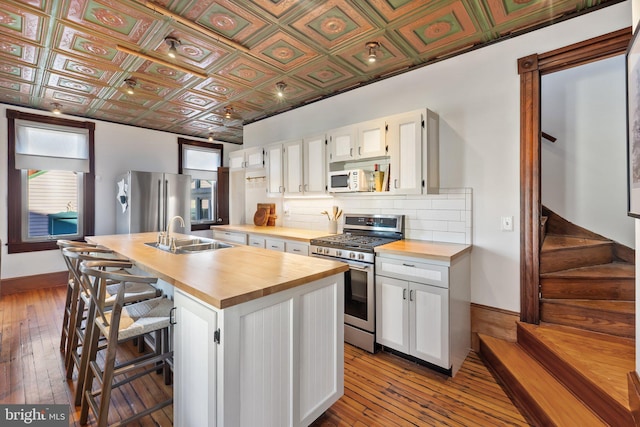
x,y
333,227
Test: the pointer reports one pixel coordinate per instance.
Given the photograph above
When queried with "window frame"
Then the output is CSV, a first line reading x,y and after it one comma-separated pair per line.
x,y
15,243
210,145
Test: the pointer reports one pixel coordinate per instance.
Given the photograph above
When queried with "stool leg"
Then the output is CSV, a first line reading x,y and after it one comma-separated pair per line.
x,y
83,390
107,380
75,322
84,352
165,349
66,327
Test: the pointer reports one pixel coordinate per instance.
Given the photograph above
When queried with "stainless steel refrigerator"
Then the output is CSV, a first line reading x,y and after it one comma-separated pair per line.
x,y
146,201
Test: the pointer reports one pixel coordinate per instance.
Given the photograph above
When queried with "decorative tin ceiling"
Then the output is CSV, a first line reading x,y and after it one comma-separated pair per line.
x,y
77,53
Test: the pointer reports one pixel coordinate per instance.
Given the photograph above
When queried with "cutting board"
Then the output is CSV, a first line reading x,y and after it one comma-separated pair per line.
x,y
271,209
261,217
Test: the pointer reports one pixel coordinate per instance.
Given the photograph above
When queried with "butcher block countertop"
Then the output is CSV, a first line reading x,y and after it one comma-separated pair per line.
x,y
277,232
223,277
424,249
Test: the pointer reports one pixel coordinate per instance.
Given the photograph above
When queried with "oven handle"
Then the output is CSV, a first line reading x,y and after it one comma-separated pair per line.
x,y
364,268
352,264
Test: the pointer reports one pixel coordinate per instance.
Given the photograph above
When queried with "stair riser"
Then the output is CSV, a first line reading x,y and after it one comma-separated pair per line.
x,y
594,289
590,393
619,324
564,259
521,397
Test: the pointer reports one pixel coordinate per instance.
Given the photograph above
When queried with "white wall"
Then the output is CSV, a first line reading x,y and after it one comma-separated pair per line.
x,y
582,175
118,148
477,96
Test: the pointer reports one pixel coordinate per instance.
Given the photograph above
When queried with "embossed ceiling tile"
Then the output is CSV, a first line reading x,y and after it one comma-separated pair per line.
x,y
17,71
69,83
192,50
283,51
11,85
394,9
441,27
136,99
241,112
294,90
214,118
333,23
246,71
66,98
21,22
197,100
19,50
220,89
82,68
12,97
132,111
159,121
148,88
201,127
511,11
43,5
262,101
121,20
88,46
277,8
389,57
112,116
225,18
178,110
324,73
168,76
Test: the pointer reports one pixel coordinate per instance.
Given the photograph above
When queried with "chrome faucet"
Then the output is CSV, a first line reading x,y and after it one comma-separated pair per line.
x,y
171,242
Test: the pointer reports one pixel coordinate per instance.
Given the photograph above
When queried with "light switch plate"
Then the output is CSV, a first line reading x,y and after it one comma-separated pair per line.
x,y
506,223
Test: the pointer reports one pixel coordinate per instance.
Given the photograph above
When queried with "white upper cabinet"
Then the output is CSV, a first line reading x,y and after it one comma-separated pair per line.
x,y
372,139
293,166
250,158
275,175
342,144
315,165
405,137
358,142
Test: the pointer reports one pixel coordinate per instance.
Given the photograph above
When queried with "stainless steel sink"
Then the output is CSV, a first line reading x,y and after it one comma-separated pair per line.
x,y
191,245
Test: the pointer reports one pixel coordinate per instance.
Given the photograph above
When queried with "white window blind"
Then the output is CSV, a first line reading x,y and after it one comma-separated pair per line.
x,y
43,146
200,163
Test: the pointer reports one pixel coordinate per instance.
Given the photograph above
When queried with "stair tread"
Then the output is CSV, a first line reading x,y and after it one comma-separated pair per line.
x,y
626,307
604,359
557,402
617,270
554,242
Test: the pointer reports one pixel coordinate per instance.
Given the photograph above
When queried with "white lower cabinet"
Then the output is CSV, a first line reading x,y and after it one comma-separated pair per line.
x,y
274,244
296,248
256,241
422,309
274,361
230,237
195,358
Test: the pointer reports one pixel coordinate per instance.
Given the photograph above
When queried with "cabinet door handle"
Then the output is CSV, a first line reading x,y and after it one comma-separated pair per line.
x,y
411,295
350,152
409,265
172,316
359,151
300,188
404,294
395,183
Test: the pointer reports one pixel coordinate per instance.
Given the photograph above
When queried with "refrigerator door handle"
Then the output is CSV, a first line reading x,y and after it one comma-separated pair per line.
x,y
160,227
165,202
214,199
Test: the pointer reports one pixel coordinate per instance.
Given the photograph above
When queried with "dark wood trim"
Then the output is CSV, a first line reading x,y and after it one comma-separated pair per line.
x,y
492,321
633,380
38,281
531,68
14,191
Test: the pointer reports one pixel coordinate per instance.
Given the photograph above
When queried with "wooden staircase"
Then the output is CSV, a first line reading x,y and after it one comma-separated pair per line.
x,y
572,369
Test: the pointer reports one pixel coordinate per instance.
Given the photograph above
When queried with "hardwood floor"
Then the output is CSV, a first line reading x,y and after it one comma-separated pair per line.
x,y
380,389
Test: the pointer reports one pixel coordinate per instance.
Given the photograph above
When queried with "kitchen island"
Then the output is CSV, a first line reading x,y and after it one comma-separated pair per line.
x,y
258,335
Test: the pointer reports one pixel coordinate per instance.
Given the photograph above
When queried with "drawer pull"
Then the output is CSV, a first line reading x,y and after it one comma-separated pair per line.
x,y
296,250
409,265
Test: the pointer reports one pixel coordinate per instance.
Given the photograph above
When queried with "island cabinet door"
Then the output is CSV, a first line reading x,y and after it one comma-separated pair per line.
x,y
194,362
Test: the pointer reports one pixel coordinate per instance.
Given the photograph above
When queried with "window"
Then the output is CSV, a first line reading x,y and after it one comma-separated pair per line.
x,y
51,181
201,160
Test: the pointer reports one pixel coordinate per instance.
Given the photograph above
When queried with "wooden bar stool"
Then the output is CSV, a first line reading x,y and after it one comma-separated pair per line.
x,y
72,294
121,323
133,292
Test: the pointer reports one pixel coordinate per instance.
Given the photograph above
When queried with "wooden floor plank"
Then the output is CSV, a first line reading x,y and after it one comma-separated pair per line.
x,y
381,389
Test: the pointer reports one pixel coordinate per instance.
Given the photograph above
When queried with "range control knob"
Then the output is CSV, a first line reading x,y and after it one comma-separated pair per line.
x,y
326,251
360,256
338,253
352,255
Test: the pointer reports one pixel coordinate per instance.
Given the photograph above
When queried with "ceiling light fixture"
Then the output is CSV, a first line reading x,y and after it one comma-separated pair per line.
x,y
131,84
280,87
227,112
372,47
210,137
173,44
56,108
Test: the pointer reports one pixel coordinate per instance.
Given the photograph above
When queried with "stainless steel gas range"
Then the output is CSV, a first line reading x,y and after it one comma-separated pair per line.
x,y
355,246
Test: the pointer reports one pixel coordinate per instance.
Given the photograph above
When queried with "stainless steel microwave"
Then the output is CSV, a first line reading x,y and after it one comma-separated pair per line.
x,y
348,181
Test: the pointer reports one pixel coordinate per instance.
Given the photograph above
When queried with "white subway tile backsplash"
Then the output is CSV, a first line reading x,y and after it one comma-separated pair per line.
x,y
445,217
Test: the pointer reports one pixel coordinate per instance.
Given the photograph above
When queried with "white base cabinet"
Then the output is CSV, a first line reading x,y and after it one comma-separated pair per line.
x,y
279,360
423,308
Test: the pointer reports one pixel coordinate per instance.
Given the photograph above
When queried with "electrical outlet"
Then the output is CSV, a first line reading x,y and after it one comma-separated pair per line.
x,y
506,223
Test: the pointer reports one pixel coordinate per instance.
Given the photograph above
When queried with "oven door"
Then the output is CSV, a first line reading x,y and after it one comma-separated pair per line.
x,y
359,288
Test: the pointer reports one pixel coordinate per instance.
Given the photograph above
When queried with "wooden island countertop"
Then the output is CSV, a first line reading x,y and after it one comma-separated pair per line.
x,y
222,277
